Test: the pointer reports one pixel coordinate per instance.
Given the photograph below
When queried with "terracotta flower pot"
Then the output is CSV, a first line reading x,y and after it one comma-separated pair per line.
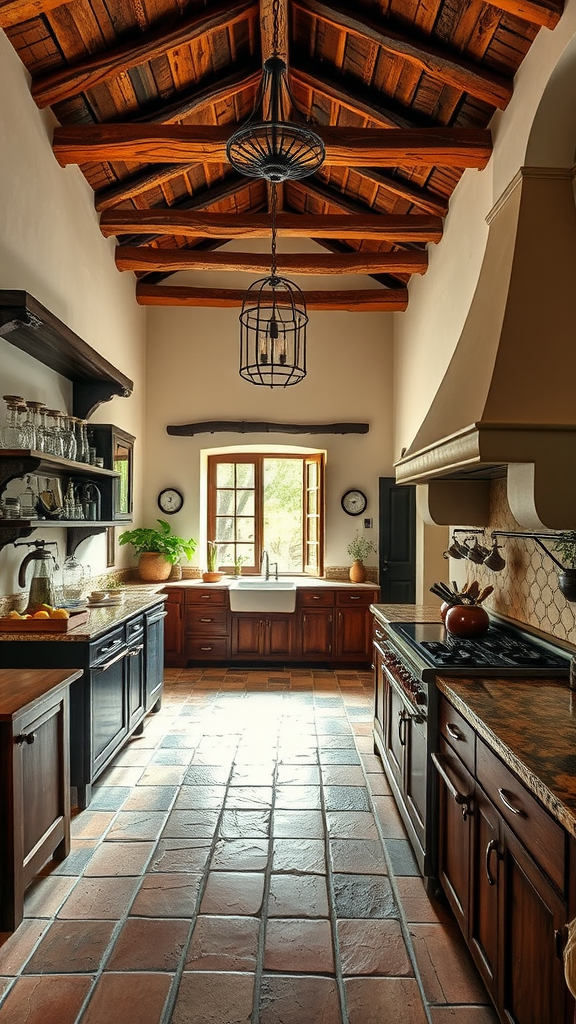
x,y
358,572
153,566
444,609
212,577
467,620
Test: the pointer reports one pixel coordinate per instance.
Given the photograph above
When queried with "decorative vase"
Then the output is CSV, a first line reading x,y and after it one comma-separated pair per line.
x,y
153,566
567,584
467,620
358,571
444,609
212,577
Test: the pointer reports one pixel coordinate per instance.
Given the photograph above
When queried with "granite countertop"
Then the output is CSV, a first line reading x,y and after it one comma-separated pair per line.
x,y
531,725
406,612
300,581
100,620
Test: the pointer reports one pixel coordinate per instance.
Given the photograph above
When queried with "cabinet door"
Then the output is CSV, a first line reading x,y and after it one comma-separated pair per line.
x,y
455,789
380,688
278,636
135,684
316,634
174,629
247,636
109,712
531,977
415,771
352,630
394,735
154,661
485,881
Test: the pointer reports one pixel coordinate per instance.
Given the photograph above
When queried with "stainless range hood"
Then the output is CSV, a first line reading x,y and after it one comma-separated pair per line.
x,y
507,404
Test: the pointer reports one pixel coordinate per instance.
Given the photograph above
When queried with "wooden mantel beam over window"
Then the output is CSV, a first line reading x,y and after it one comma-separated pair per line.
x,y
345,147
367,300
144,259
376,227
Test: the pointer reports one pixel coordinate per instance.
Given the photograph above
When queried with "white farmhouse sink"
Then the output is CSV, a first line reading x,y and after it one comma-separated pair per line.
x,y
256,595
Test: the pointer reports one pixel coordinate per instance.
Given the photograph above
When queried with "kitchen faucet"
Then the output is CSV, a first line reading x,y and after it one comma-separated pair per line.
x,y
265,561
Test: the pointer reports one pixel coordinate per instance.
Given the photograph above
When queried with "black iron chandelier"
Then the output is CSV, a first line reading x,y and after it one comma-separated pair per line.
x,y
273,327
269,145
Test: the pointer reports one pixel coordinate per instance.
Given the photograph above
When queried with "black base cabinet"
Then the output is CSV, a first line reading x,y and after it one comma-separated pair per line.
x,y
122,680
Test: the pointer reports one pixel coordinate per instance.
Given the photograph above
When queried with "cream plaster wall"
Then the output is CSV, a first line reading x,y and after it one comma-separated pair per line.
x,y
193,375
50,246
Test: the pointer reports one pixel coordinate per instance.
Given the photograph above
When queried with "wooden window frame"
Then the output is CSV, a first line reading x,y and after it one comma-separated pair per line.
x,y
257,459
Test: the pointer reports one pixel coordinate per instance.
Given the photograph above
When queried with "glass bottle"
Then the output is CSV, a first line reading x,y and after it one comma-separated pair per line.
x,y
42,432
11,435
35,409
73,581
28,501
85,442
29,426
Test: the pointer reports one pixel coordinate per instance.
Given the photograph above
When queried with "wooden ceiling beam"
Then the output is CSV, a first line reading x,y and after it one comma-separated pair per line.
x,y
345,147
420,197
147,259
388,280
546,13
267,29
69,81
426,200
435,60
378,227
15,12
109,198
349,98
193,101
371,300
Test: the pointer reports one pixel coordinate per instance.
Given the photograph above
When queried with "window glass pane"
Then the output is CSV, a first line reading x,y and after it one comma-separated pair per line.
x,y
313,528
225,503
246,553
224,528
245,474
244,528
225,474
282,483
312,502
312,474
244,503
312,556
226,554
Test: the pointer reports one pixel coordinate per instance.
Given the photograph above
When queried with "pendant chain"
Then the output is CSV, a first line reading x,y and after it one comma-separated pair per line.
x,y
273,204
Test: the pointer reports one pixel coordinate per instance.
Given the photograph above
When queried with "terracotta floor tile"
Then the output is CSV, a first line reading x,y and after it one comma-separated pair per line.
x,y
298,775
132,757
76,860
448,974
374,1000
351,825
137,825
298,896
167,895
342,775
223,944
240,855
249,797
378,784
91,824
294,944
16,948
99,899
214,998
245,824
191,824
361,896
180,855
357,856
346,798
45,895
206,775
162,775
118,859
171,757
419,908
128,997
71,947
252,774
298,825
402,859
147,944
389,818
108,798
463,1015
373,947
191,797
299,855
151,798
339,756
233,893
45,1000
122,776
299,999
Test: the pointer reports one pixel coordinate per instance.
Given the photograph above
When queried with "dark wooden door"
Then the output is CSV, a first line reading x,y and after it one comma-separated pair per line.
x,y
397,542
316,633
247,636
279,636
352,627
455,785
486,862
174,627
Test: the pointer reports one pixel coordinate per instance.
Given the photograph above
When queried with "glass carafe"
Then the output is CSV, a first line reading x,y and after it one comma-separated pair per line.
x,y
74,579
28,501
11,435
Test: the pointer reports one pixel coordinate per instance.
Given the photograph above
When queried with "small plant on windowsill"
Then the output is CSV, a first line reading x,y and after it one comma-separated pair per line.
x,y
213,575
238,563
359,548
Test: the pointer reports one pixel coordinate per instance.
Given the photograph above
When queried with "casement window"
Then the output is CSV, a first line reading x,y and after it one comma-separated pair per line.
x,y
267,502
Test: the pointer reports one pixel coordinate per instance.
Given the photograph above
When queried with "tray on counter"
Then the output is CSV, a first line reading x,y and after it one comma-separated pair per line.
x,y
43,625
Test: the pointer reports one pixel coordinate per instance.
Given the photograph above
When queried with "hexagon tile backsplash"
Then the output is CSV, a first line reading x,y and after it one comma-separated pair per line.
x,y
527,588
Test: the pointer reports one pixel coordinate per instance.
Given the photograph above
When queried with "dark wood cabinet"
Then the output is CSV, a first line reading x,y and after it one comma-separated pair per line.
x,y
256,635
316,632
174,655
207,624
352,640
154,657
502,862
34,780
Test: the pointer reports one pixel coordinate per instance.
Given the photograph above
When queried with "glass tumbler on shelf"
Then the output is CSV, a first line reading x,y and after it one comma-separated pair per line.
x,y
29,426
35,412
53,423
68,437
11,435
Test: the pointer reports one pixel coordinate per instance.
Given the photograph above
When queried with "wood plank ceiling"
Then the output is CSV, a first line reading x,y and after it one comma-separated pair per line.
x,y
147,92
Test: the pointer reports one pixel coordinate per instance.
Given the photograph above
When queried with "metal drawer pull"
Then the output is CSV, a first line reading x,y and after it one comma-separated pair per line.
x,y
25,737
205,648
492,845
515,810
379,634
110,647
403,717
454,731
316,597
135,651
108,664
206,620
459,797
354,597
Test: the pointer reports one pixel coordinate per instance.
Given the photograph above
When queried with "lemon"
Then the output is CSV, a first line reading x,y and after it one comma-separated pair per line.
x,y
59,613
14,615
41,615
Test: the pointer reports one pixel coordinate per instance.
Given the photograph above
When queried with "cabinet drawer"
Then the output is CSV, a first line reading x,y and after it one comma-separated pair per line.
x,y
458,733
107,646
207,597
355,597
206,622
207,649
316,598
134,628
378,632
543,837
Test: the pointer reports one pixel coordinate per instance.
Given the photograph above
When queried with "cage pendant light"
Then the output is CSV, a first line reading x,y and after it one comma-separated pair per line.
x,y
273,327
269,145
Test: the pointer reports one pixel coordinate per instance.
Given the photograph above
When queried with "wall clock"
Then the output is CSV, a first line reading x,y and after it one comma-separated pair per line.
x,y
170,500
354,502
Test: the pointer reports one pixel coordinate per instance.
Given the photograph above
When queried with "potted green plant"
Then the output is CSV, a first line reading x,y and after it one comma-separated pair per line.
x,y
158,549
213,575
565,545
359,548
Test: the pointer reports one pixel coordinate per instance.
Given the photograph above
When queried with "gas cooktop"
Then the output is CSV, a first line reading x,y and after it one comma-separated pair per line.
x,y
501,650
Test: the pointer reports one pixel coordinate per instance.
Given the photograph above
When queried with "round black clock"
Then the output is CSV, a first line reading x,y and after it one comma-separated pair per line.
x,y
170,500
354,502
